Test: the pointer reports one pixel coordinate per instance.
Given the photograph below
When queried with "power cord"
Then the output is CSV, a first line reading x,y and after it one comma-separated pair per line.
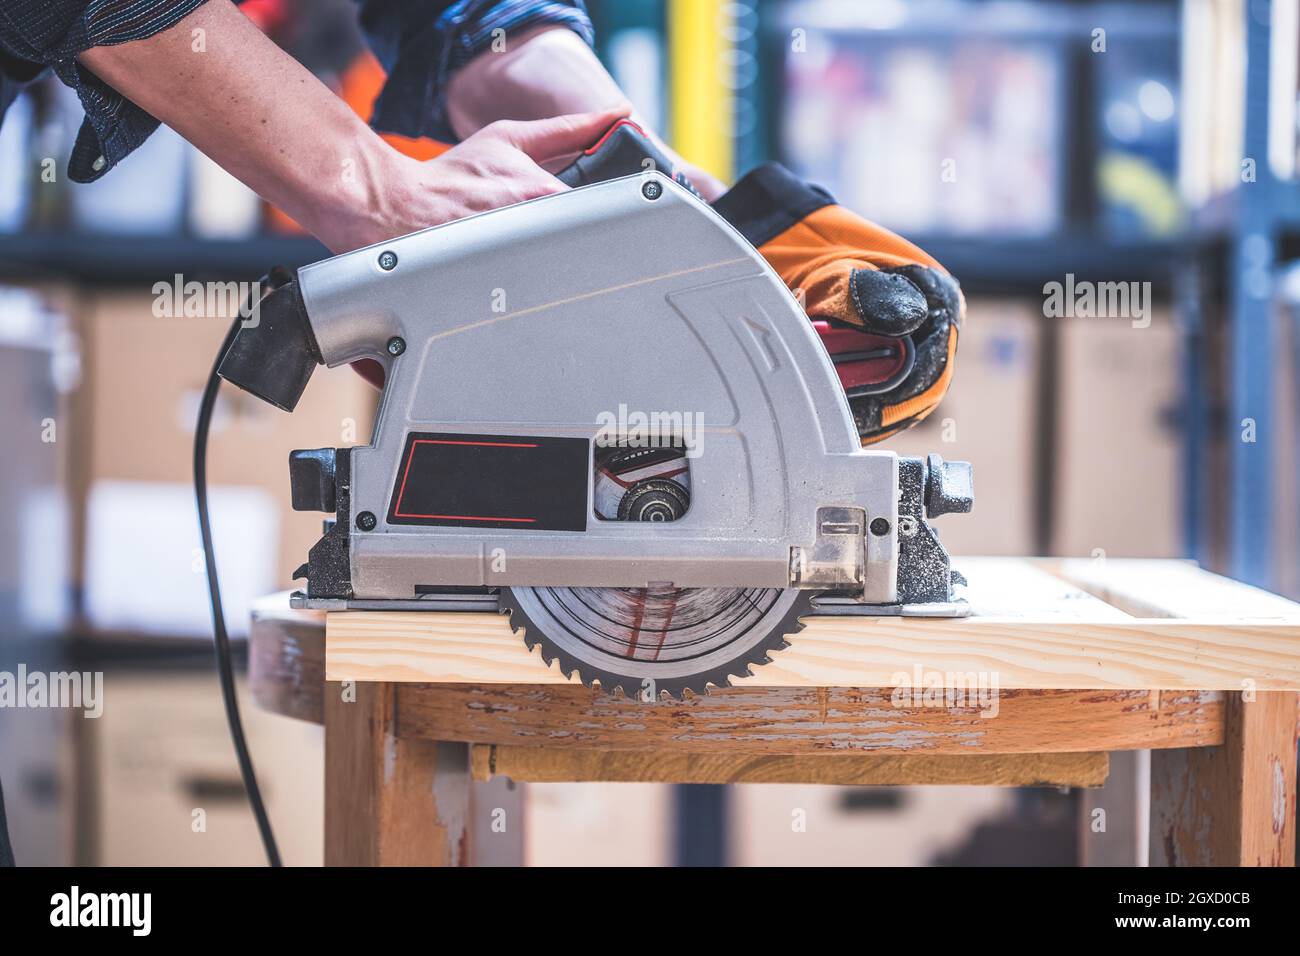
x,y
221,640
6,848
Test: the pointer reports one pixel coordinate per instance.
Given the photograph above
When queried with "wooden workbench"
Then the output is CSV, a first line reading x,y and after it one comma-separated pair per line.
x,y
1069,661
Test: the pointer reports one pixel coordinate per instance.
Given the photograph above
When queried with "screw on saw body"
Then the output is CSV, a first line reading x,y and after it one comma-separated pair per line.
x,y
879,527
388,261
366,521
396,346
652,190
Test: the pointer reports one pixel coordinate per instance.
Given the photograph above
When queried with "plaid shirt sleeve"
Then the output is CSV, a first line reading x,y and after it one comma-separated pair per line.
x,y
421,43
40,34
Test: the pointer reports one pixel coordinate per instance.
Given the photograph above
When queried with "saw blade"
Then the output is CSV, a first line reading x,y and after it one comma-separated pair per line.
x,y
652,641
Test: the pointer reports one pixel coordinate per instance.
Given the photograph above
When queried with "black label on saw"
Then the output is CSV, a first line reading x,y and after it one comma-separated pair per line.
x,y
492,481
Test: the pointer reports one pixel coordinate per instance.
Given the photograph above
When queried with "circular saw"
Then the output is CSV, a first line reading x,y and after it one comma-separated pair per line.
x,y
607,417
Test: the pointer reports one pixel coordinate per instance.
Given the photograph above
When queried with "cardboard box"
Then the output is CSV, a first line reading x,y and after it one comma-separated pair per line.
x,y
144,377
988,419
1118,486
168,786
39,769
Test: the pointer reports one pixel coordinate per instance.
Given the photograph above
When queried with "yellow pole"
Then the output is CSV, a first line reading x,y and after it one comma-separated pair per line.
x,y
700,95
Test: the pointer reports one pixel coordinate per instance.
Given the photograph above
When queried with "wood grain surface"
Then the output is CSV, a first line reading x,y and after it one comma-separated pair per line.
x,y
546,765
1232,805
1029,629
808,721
390,801
286,659
1156,653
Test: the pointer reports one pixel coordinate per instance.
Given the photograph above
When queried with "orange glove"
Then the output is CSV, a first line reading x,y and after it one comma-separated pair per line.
x,y
850,272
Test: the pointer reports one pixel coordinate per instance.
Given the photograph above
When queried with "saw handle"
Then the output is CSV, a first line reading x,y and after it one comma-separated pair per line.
x,y
624,150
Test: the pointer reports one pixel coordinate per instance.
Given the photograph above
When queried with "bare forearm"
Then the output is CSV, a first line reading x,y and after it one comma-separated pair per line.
x,y
266,120
256,112
547,71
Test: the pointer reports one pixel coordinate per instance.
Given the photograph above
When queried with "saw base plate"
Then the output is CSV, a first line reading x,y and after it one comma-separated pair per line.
x,y
489,603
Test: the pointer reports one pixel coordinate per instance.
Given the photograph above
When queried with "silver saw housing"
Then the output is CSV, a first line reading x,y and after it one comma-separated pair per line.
x,y
518,343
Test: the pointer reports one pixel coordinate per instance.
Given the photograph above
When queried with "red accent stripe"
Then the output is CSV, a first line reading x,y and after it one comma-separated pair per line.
x,y
636,623
406,473
663,631
610,132
628,484
403,514
485,444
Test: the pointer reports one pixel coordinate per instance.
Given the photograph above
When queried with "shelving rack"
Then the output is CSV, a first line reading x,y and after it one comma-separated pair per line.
x,y
1264,212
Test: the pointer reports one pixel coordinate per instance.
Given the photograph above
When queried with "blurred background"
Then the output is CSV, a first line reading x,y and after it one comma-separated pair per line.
x,y
1019,142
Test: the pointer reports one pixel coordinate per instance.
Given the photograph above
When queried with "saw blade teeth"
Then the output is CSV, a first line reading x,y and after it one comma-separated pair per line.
x,y
509,615
779,619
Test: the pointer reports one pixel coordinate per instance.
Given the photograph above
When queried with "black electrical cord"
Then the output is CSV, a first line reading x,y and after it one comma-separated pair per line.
x,y
6,848
221,640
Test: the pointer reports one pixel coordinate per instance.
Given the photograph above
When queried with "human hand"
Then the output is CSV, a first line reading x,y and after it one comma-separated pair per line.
x,y
499,165
854,274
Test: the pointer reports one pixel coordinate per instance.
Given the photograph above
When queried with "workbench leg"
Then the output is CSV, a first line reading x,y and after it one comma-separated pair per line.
x,y
1235,804
389,800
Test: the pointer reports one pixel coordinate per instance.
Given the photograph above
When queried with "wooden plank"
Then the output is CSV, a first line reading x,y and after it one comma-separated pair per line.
x,y
807,721
286,659
1015,653
430,646
546,765
1020,588
1235,804
287,647
479,648
1029,629
1166,654
1177,589
390,801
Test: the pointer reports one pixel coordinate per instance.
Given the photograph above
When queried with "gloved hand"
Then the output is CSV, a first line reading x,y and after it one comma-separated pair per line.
x,y
852,273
